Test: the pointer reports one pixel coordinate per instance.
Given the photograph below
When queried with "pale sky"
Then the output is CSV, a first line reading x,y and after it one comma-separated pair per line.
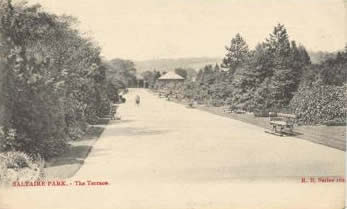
x,y
151,29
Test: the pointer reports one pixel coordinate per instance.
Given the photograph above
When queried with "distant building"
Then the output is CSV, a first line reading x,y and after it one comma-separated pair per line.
x,y
139,82
170,80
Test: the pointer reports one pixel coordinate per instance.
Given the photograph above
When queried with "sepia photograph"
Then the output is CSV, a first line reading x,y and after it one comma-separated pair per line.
x,y
173,104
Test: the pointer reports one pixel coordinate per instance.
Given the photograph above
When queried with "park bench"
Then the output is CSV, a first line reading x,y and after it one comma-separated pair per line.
x,y
227,109
191,104
239,111
162,95
281,123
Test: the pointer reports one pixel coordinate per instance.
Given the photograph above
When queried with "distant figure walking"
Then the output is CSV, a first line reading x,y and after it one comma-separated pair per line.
x,y
137,100
114,108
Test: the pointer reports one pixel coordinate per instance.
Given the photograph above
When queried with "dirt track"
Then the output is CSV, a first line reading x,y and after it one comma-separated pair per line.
x,y
164,155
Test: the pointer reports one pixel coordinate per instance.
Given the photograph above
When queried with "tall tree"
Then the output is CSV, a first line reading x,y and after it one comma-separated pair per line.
x,y
283,78
123,71
236,54
54,79
334,71
182,72
299,61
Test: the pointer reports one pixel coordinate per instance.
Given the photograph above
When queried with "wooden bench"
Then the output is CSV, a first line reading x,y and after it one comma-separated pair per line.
x,y
191,104
240,112
282,124
227,109
162,95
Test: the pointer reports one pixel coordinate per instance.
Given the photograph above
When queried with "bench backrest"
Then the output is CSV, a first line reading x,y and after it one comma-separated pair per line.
x,y
282,115
286,115
289,118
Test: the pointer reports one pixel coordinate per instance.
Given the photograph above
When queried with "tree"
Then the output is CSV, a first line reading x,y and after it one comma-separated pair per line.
x,y
55,81
206,75
236,54
334,71
217,68
32,106
150,77
283,80
182,72
191,74
299,61
123,71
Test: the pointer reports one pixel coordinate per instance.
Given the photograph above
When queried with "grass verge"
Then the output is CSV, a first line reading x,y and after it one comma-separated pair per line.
x,y
331,136
67,164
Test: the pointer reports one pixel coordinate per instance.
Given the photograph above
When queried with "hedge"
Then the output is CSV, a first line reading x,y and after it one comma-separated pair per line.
x,y
320,104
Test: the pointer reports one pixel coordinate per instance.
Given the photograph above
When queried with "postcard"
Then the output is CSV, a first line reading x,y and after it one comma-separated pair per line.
x,y
180,104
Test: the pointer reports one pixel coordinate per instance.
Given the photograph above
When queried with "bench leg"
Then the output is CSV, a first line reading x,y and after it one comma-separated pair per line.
x,y
291,130
281,131
277,130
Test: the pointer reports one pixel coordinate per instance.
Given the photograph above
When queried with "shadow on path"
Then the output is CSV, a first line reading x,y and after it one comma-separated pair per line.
x,y
129,131
75,154
69,162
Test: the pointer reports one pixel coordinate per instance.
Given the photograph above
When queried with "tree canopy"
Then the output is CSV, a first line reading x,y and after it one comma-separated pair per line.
x,y
54,81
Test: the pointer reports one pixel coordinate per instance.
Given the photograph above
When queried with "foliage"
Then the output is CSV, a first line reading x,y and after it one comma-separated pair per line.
x,y
122,73
18,166
191,74
273,76
54,82
286,67
268,76
334,71
277,75
319,57
182,72
320,104
236,54
151,77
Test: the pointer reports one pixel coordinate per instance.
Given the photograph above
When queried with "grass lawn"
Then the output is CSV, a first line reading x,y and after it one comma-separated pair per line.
x,y
67,164
331,136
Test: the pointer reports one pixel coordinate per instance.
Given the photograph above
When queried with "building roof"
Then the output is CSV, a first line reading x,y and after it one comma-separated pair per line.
x,y
171,76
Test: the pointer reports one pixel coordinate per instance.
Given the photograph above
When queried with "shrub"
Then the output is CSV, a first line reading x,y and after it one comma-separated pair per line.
x,y
320,104
75,132
55,80
104,108
91,116
18,166
45,147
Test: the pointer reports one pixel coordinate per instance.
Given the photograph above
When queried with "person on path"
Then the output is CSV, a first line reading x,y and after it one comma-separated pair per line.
x,y
114,108
137,100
